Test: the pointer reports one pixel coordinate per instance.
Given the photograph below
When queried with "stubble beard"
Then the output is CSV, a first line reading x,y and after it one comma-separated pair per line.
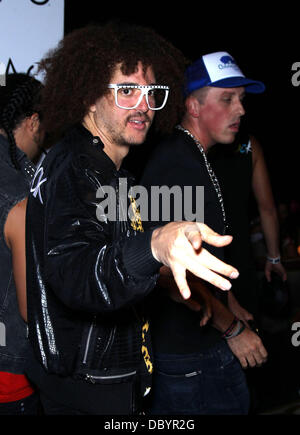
x,y
132,140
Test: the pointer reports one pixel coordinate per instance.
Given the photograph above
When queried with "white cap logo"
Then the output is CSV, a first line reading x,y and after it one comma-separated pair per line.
x,y
220,66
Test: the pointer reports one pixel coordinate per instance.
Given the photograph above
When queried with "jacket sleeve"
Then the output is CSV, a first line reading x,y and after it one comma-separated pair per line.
x,y
88,267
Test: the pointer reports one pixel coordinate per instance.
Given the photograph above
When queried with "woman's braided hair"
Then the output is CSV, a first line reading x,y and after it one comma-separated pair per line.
x,y
19,99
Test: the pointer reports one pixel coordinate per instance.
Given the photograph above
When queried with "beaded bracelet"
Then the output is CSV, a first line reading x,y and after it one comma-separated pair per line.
x,y
237,331
230,327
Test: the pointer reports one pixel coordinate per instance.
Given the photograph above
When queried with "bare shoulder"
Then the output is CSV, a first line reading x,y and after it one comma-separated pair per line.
x,y
15,222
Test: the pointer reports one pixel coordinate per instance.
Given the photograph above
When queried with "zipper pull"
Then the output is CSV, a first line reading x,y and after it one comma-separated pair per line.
x,y
90,379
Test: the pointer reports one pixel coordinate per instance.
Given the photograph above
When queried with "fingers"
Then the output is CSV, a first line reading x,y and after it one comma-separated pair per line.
x,y
179,275
213,263
195,266
263,353
251,361
206,316
256,359
243,362
211,237
176,246
254,353
204,265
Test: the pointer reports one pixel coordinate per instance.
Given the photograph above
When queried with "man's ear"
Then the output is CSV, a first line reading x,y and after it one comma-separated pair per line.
x,y
192,106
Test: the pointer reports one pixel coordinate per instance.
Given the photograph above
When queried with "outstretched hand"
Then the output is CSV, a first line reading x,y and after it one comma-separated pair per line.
x,y
178,245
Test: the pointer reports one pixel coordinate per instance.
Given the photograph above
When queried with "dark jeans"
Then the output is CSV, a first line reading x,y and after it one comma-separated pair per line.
x,y
211,382
50,407
28,406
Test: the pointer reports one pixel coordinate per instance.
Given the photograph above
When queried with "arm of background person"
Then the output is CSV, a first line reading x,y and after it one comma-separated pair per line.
x,y
14,232
200,299
247,346
235,307
268,215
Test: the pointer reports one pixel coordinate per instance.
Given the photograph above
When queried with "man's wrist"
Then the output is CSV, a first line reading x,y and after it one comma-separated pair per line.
x,y
155,233
236,327
138,257
230,328
274,260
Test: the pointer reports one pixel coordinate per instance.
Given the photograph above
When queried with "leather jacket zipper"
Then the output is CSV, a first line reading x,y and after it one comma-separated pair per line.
x,y
93,379
88,342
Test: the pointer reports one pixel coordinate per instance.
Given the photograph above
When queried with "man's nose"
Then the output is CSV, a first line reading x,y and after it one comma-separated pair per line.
x,y
143,106
240,108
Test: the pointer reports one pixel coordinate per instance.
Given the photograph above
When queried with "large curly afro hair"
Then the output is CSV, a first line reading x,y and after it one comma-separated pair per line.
x,y
78,71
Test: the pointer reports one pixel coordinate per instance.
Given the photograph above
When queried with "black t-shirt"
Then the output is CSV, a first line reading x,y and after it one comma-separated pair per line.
x,y
233,166
177,161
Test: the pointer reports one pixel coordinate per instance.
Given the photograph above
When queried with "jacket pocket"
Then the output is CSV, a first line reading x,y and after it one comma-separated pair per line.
x,y
110,378
95,341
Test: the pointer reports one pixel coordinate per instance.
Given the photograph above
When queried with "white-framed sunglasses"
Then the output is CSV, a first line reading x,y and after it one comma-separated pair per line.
x,y
130,96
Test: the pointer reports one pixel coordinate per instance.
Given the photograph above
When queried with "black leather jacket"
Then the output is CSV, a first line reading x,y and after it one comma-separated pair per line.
x,y
86,278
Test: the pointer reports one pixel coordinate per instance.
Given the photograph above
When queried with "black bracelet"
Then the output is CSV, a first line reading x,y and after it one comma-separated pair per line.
x,y
240,328
230,327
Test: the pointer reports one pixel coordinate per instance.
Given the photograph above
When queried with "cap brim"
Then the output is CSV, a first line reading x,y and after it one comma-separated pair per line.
x,y
251,86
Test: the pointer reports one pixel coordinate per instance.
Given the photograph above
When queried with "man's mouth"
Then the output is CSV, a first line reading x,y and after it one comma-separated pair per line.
x,y
234,126
138,123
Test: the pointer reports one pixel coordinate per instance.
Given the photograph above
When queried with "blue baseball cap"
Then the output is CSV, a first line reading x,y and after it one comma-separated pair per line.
x,y
218,70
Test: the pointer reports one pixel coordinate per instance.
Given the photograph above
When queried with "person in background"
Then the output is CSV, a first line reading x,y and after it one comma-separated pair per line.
x,y
241,170
199,368
21,138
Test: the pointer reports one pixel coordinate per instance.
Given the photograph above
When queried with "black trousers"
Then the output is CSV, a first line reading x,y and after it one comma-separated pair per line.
x,y
28,406
68,396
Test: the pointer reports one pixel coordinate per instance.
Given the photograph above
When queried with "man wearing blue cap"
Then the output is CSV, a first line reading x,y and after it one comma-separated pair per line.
x,y
199,368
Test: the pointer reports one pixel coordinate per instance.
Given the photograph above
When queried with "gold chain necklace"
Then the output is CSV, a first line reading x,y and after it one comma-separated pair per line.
x,y
211,173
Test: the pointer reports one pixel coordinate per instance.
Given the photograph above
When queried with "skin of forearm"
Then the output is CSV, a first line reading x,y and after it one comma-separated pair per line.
x,y
221,318
270,227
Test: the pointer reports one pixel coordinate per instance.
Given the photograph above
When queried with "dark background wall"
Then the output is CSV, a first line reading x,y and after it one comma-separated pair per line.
x,y
264,42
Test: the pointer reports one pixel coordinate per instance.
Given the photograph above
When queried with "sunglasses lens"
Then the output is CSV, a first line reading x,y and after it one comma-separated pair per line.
x,y
130,97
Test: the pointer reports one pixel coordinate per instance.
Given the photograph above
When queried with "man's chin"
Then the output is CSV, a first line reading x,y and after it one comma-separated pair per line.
x,y
134,141
229,138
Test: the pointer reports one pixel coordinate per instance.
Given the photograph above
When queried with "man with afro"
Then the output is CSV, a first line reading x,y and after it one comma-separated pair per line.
x,y
88,272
